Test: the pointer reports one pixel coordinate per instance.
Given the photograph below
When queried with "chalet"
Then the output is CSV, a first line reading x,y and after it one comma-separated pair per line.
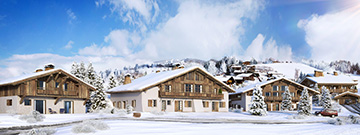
x,y
49,91
347,98
336,83
272,92
180,90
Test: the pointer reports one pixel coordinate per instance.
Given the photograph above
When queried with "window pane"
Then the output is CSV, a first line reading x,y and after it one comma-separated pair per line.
x,y
275,88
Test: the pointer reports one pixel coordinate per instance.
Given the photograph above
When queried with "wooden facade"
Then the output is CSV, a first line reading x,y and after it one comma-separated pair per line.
x,y
347,98
55,84
334,88
192,85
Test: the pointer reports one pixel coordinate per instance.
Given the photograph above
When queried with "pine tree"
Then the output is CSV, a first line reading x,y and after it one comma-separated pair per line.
x,y
112,82
286,102
304,103
75,69
90,76
82,71
258,106
98,97
325,101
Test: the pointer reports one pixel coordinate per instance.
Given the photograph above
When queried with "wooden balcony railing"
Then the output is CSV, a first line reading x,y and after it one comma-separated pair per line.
x,y
56,92
190,95
343,90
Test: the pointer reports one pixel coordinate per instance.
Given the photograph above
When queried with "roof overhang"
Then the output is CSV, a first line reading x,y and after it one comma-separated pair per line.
x,y
347,93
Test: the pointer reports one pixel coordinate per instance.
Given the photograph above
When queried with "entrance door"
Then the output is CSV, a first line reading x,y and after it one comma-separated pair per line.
x,y
178,106
67,106
163,105
215,106
39,106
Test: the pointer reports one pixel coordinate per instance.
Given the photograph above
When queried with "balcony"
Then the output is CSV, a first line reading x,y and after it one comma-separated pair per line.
x,y
343,90
56,92
190,95
280,98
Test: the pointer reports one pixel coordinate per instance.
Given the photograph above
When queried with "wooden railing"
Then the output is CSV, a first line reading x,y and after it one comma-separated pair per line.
x,y
56,91
343,90
190,95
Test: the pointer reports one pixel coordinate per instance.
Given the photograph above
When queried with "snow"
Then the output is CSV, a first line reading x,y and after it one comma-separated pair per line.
x,y
331,79
152,79
251,86
288,69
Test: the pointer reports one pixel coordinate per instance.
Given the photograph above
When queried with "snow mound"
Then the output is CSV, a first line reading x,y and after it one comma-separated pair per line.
x,y
89,126
33,117
343,121
289,69
40,131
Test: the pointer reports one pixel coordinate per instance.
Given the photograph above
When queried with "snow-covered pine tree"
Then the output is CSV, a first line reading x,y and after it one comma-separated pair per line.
x,y
286,102
325,101
258,106
82,71
90,75
98,97
112,82
304,103
74,69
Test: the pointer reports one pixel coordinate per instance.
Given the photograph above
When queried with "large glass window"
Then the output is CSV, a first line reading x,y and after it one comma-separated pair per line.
x,y
275,88
188,88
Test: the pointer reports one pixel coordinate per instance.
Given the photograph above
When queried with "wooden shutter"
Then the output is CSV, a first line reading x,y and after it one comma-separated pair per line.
x,y
149,103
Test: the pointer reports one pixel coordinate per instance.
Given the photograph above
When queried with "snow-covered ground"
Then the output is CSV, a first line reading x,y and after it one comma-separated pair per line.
x,y
288,69
196,123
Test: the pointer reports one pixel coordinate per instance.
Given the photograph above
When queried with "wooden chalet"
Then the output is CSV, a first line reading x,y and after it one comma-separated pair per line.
x,y
48,91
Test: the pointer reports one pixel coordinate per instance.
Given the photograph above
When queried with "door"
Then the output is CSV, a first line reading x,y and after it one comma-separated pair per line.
x,y
67,106
39,106
215,106
178,106
163,105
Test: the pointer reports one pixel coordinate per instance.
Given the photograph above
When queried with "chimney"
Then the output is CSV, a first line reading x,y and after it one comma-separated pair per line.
x,y
39,70
336,73
318,73
157,71
127,79
49,66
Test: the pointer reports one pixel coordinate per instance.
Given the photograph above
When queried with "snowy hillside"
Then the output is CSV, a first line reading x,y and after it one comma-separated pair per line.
x,y
289,69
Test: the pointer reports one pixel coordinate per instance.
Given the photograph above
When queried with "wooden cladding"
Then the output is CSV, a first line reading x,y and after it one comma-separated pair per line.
x,y
187,95
58,84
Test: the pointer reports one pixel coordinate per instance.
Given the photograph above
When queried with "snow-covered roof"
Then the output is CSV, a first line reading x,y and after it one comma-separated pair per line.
x,y
332,79
245,75
346,93
35,74
250,87
223,78
153,79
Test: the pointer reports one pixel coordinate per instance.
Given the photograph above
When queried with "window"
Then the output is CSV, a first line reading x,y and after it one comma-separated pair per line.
x,y
222,104
56,85
169,102
267,94
206,104
9,102
65,87
124,104
154,102
292,94
188,88
27,102
275,94
275,88
197,77
133,103
41,85
187,103
119,104
167,88
188,76
215,91
198,88
283,88
150,104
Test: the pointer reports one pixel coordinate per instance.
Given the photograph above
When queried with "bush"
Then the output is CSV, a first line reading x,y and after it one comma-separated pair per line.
x,y
89,126
353,120
33,117
40,131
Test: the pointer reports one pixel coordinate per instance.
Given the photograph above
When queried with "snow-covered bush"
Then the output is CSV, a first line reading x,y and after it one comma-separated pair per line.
x,y
304,103
33,117
325,100
353,120
40,131
349,120
257,106
337,121
286,102
129,109
89,126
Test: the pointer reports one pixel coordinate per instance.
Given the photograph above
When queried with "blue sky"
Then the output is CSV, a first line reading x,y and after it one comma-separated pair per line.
x,y
116,33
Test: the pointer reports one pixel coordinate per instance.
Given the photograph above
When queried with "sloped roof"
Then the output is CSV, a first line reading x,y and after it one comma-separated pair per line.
x,y
18,79
331,79
346,93
252,86
150,80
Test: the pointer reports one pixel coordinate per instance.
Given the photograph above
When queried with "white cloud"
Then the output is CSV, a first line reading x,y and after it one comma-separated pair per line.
x,y
69,45
333,36
71,16
260,51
